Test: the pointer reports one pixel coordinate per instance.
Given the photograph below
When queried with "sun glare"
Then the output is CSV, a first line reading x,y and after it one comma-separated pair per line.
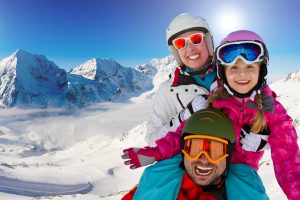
x,y
228,21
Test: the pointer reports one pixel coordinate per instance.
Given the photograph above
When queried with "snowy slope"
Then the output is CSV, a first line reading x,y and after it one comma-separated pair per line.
x,y
288,94
53,146
70,149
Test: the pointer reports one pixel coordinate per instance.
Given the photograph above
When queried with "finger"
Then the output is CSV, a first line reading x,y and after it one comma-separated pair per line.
x,y
127,162
125,156
264,137
126,151
247,141
133,167
242,133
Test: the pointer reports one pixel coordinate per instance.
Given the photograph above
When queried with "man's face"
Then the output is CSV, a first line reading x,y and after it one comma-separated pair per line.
x,y
193,56
203,172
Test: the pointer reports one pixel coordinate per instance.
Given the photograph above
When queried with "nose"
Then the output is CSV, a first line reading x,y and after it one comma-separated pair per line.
x,y
242,72
203,159
190,44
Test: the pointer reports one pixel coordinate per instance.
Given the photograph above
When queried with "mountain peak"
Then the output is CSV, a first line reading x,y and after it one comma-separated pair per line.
x,y
294,76
22,53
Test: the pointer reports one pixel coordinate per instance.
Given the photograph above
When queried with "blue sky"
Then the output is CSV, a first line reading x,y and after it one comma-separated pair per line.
x,y
133,31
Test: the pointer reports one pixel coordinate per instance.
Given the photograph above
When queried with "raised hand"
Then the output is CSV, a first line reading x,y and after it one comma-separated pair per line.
x,y
138,157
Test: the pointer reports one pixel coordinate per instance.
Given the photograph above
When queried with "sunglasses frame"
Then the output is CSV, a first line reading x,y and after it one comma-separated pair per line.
x,y
259,58
189,39
204,152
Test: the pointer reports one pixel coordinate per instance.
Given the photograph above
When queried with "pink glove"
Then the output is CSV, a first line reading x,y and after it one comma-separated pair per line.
x,y
138,157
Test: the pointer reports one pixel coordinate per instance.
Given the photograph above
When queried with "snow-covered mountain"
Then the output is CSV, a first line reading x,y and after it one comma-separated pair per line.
x,y
295,76
29,80
110,79
159,70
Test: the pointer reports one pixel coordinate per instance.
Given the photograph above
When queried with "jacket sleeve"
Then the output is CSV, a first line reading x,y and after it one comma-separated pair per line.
x,y
169,145
130,194
163,109
285,152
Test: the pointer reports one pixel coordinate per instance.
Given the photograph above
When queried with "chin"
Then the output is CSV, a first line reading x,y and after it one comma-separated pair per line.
x,y
243,92
203,181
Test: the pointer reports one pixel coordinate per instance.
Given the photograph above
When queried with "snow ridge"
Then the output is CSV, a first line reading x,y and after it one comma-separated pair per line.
x,y
30,80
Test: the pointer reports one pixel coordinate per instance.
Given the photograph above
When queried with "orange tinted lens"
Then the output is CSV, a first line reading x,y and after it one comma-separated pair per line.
x,y
196,38
218,149
215,149
179,43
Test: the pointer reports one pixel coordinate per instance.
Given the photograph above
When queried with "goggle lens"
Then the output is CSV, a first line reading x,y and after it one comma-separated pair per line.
x,y
195,39
179,43
251,52
214,149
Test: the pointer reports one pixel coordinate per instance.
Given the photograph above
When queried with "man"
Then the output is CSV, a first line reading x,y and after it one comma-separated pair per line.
x,y
207,142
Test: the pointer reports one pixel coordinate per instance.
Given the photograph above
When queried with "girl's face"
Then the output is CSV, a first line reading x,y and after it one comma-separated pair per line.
x,y
242,77
194,56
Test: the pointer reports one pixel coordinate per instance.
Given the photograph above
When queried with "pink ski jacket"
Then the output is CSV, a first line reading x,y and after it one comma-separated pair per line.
x,y
283,138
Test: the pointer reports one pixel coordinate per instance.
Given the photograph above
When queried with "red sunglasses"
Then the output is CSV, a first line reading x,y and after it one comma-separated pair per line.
x,y
195,39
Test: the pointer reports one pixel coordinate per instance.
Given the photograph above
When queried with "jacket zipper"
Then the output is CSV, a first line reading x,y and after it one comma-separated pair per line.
x,y
241,106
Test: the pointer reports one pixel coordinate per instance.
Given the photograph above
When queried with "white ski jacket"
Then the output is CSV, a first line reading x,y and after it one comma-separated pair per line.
x,y
170,99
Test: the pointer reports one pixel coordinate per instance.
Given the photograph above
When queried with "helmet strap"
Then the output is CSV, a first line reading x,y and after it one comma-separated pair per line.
x,y
251,94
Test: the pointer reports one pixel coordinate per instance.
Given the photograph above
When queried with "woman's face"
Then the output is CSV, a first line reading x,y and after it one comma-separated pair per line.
x,y
242,77
193,56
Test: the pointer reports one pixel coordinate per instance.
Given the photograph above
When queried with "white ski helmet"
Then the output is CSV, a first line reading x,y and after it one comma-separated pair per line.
x,y
186,22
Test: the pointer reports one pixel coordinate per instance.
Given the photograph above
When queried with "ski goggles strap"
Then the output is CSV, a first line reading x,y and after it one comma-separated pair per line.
x,y
195,39
249,51
215,149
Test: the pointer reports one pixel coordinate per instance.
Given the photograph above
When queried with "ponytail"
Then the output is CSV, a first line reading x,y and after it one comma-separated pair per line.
x,y
259,122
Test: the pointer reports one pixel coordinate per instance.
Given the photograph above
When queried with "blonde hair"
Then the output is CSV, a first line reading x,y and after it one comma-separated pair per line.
x,y
259,122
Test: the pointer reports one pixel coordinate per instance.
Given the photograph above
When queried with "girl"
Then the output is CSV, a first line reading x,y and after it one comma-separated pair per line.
x,y
242,60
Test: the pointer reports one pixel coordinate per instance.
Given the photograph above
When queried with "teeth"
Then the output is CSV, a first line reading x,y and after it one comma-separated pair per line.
x,y
203,168
203,171
242,81
193,57
204,174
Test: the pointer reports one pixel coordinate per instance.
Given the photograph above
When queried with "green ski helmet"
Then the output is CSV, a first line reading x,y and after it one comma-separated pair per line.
x,y
187,22
211,122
